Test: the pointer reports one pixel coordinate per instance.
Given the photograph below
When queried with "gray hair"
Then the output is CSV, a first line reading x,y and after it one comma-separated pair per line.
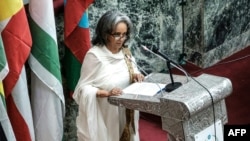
x,y
107,24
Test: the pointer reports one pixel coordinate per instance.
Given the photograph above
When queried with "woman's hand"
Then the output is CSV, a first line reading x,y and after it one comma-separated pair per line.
x,y
138,77
105,93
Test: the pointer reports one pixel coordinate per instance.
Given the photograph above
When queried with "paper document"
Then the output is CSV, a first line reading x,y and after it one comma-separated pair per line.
x,y
144,88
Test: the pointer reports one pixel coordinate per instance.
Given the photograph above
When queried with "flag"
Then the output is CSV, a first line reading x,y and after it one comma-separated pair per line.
x,y
4,68
47,98
2,134
76,38
6,131
17,44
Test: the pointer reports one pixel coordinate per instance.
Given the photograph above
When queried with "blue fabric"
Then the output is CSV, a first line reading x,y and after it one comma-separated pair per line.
x,y
84,22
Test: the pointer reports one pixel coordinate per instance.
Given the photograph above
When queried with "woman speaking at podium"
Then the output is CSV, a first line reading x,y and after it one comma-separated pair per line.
x,y
107,69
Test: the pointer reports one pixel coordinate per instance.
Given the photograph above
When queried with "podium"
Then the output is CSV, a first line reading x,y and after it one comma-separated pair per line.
x,y
188,113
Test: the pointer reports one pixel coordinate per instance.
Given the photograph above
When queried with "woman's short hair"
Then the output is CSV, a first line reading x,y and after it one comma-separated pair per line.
x,y
107,24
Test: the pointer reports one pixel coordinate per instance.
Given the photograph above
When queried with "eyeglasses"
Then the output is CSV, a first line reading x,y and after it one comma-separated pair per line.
x,y
119,36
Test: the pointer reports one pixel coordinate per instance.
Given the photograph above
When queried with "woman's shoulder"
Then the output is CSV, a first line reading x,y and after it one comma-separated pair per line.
x,y
98,50
95,52
95,49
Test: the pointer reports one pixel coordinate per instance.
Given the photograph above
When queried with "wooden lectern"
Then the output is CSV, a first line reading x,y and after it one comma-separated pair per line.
x,y
188,113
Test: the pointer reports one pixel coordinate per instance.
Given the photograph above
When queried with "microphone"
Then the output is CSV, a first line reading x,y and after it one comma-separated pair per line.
x,y
156,51
173,85
164,57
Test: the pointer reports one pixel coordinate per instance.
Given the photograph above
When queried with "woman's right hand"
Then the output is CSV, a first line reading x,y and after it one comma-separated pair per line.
x,y
105,93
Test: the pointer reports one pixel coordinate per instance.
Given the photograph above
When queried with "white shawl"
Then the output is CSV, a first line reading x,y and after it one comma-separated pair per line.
x,y
97,119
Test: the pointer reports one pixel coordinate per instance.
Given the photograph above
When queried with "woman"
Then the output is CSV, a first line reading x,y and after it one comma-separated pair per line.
x,y
106,70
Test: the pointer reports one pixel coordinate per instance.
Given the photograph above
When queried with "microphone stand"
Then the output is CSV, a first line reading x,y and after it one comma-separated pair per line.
x,y
173,85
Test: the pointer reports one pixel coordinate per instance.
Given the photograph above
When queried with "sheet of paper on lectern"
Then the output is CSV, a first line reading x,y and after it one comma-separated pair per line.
x,y
144,88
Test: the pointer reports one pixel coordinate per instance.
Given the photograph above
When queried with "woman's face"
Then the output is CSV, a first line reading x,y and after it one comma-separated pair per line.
x,y
117,37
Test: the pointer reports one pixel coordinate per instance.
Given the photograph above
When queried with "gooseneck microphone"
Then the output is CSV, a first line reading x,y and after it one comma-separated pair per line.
x,y
173,85
156,51
164,57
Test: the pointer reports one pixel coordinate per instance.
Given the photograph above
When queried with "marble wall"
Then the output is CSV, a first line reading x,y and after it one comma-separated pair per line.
x,y
226,29
206,31
216,30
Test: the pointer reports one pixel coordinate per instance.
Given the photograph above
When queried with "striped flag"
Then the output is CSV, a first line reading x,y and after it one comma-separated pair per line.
x,y
6,131
4,68
76,37
17,44
47,98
